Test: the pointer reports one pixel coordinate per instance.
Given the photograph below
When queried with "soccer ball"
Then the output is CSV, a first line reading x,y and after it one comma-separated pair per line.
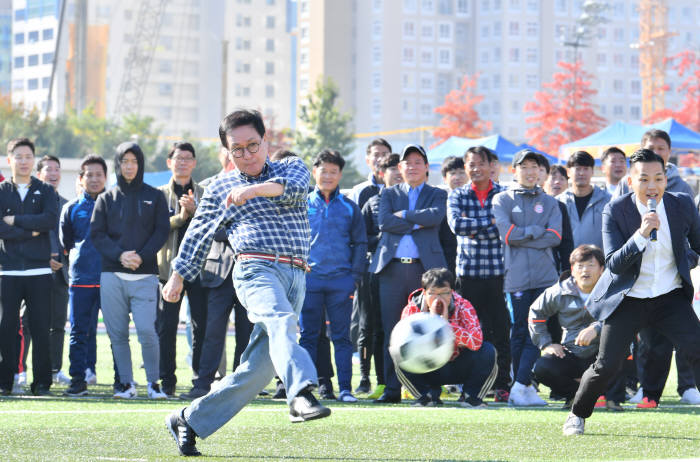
x,y
421,343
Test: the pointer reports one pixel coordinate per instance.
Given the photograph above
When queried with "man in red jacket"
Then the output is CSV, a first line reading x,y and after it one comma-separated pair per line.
x,y
473,363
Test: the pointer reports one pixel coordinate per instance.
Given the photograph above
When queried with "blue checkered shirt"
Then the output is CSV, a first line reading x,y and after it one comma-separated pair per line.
x,y
272,225
479,246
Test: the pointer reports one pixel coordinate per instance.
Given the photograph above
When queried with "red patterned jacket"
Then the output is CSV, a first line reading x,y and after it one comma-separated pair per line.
x,y
463,319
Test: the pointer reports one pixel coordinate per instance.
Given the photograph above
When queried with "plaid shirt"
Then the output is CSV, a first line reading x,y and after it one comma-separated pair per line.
x,y
273,225
479,247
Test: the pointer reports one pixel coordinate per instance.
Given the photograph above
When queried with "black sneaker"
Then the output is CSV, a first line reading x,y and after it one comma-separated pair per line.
x,y
5,391
41,390
364,385
473,403
77,389
280,392
305,406
182,433
423,401
193,394
326,392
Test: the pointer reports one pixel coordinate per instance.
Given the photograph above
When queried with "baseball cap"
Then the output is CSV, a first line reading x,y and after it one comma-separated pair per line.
x,y
523,155
414,148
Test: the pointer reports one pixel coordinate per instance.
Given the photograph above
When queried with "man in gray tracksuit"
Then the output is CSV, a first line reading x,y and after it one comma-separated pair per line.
x,y
529,223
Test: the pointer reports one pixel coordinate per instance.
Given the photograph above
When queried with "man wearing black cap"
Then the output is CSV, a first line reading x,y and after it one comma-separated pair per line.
x,y
529,222
410,214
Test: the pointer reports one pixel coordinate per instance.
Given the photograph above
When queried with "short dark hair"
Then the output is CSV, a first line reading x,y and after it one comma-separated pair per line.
x,y
481,151
182,146
437,277
329,156
544,162
239,119
44,160
378,142
282,154
655,133
585,252
610,151
92,159
580,159
451,163
17,142
646,156
392,160
559,168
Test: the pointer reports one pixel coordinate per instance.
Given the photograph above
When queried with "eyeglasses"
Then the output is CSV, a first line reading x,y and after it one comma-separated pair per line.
x,y
251,148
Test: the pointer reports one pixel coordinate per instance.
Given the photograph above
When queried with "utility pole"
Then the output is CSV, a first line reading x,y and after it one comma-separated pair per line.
x,y
80,47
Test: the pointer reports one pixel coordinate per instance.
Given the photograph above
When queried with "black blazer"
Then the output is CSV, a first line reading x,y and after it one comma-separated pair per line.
x,y
623,259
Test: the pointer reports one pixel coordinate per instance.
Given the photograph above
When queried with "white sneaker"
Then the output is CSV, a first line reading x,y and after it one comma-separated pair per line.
x,y
61,377
573,425
90,377
691,396
533,398
154,391
638,397
22,379
518,395
126,392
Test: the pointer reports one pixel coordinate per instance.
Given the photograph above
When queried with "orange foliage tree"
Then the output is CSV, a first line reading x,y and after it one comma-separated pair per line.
x,y
563,110
460,117
687,64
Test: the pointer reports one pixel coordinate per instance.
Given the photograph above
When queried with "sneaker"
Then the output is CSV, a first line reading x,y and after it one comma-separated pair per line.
x,y
405,394
573,425
90,377
5,392
423,401
346,397
518,396
41,390
77,389
614,406
471,402
364,385
125,391
454,389
601,402
647,404
193,394
637,398
326,392
305,406
62,378
280,392
691,396
154,391
533,398
182,433
567,404
22,379
501,396
378,391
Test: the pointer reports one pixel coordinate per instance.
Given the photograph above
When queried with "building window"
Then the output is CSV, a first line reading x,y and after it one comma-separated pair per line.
x,y
444,32
618,111
32,84
427,31
376,81
269,91
33,60
601,59
377,29
409,6
484,57
619,34
635,87
376,55
45,82
426,110
496,81
444,59
497,55
376,108
165,89
427,6
497,29
304,33
47,34
304,8
377,6
635,112
618,86
634,61
21,15
485,32
602,33
618,60
514,55
270,45
462,6
426,57
270,22
19,39
532,81
514,5
560,6
532,29
514,29
269,68
33,36
513,82
47,58
445,7
484,5
304,58
165,66
427,83
409,29
531,56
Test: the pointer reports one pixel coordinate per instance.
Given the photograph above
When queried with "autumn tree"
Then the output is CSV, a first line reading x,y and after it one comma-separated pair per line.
x,y
687,64
563,110
460,117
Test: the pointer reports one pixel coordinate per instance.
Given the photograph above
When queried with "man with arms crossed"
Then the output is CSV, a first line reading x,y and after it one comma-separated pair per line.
x,y
263,207
647,236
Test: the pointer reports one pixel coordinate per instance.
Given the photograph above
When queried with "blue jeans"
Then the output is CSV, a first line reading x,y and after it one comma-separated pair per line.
x,y
335,296
523,352
84,304
273,294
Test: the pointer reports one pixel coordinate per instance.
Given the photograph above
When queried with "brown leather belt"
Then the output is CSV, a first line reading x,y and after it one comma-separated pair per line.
x,y
287,259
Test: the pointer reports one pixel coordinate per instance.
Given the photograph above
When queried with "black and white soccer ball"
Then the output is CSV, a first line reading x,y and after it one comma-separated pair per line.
x,y
421,343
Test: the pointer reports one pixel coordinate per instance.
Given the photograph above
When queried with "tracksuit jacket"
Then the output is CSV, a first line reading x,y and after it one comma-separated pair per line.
x,y
130,216
529,223
338,236
74,231
589,228
19,250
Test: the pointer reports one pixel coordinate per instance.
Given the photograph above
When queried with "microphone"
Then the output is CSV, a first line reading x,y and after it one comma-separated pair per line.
x,y
651,205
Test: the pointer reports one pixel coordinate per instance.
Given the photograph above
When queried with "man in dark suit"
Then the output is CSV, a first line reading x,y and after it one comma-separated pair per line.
x,y
647,236
410,214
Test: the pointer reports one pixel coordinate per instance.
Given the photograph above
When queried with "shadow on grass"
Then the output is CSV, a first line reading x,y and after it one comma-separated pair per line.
x,y
395,459
645,436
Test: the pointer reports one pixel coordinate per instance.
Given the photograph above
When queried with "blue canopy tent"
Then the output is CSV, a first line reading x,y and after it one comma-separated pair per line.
x,y
154,179
457,146
552,160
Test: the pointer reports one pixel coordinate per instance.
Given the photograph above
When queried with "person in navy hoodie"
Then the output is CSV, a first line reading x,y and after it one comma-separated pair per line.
x,y
337,261
85,269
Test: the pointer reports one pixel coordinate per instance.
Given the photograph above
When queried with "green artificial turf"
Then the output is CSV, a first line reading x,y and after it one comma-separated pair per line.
x,y
98,427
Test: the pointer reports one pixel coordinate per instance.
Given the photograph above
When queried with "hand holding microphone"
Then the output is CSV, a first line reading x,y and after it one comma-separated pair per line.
x,y
650,221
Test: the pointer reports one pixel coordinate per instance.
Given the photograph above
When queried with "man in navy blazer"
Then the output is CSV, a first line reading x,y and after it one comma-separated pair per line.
x,y
647,238
410,214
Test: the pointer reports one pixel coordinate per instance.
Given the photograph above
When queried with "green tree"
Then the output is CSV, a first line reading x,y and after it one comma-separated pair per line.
x,y
323,126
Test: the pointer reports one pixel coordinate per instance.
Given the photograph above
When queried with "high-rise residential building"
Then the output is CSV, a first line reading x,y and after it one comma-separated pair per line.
x,y
5,46
34,38
259,66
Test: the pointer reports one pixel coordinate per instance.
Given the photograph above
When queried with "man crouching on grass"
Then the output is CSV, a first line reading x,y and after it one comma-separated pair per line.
x,y
262,206
473,363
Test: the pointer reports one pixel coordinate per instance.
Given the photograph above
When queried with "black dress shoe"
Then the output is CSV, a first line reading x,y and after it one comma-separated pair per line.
x,y
388,398
193,394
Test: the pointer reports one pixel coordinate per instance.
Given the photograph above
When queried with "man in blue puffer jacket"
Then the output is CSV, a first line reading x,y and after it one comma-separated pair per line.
x,y
337,261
